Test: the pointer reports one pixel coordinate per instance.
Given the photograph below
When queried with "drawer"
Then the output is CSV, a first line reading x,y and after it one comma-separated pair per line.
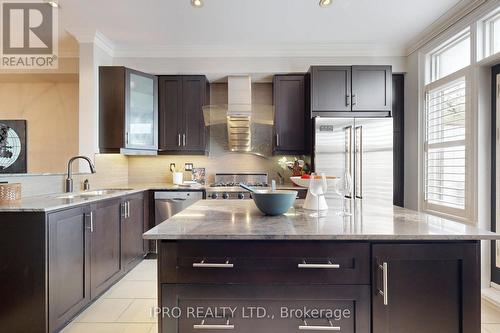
x,y
265,262
250,308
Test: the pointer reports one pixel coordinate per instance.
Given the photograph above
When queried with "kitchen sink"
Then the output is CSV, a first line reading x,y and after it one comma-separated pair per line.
x,y
91,194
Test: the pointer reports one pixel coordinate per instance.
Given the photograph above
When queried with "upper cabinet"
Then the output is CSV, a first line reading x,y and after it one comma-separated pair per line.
x,y
291,122
128,111
351,88
182,128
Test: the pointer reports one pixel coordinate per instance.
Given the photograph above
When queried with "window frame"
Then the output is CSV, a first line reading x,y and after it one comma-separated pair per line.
x,y
432,57
467,214
485,30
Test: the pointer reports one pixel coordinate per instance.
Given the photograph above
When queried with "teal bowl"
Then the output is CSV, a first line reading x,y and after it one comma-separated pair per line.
x,y
274,203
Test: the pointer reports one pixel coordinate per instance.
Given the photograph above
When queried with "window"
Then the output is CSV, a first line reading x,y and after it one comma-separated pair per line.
x,y
489,27
451,56
445,150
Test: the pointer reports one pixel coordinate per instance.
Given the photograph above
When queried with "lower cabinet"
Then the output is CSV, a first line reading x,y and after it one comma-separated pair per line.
x,y
272,308
105,245
432,288
68,264
132,229
89,248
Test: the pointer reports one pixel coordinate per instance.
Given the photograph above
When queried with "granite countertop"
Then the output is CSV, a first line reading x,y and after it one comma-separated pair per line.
x,y
50,202
241,220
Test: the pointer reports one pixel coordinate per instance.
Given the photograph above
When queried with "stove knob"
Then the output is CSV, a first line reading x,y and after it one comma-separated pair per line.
x,y
214,196
241,196
225,196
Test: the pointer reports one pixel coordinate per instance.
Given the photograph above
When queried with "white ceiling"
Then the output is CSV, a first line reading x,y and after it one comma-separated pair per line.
x,y
253,23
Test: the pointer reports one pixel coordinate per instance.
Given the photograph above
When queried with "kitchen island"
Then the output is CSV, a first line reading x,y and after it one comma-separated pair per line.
x,y
225,266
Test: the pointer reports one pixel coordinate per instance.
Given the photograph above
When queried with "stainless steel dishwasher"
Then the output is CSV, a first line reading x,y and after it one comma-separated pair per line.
x,y
167,204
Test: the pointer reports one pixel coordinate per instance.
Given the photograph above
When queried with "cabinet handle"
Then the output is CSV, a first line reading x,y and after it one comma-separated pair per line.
x,y
277,140
184,139
126,138
306,327
204,326
354,99
330,265
127,209
203,264
385,274
178,140
347,100
91,218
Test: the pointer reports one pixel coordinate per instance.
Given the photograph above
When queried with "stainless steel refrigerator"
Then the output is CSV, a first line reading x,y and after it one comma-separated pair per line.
x,y
361,146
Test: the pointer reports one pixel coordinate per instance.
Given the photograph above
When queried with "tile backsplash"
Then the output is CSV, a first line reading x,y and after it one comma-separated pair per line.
x,y
112,171
149,169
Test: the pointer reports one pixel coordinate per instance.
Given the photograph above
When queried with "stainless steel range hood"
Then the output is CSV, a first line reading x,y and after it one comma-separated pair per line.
x,y
239,113
248,125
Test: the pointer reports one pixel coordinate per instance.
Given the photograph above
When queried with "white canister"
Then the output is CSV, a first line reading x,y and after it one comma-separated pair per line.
x,y
178,178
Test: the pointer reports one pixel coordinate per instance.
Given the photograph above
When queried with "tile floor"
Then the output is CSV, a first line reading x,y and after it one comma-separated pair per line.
x,y
125,308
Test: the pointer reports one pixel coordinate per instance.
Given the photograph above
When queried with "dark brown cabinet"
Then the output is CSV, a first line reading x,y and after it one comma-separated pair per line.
x,y
128,111
351,88
131,230
69,264
181,124
105,245
426,287
331,88
68,258
292,124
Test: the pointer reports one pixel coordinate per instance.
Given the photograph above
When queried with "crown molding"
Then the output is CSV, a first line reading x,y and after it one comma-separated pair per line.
x,y
86,36
443,23
104,43
259,51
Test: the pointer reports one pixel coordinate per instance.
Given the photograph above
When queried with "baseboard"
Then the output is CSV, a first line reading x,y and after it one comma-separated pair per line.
x,y
491,295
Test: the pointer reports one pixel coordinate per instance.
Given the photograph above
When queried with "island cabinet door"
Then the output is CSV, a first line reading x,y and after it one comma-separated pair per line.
x,y
105,245
276,309
69,264
432,288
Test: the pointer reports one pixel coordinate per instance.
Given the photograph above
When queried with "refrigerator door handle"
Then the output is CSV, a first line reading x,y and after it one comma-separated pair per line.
x,y
348,167
358,187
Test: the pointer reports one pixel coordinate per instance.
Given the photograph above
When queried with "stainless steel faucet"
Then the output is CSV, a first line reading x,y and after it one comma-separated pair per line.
x,y
69,180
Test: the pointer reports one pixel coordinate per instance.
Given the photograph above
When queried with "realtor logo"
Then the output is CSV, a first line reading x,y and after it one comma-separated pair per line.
x,y
29,35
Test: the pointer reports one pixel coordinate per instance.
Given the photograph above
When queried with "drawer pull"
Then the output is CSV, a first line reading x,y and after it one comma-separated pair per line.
x,y
203,264
204,326
306,327
330,265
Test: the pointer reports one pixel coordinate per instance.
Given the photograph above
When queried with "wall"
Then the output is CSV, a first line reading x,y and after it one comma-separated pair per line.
x,y
49,104
412,104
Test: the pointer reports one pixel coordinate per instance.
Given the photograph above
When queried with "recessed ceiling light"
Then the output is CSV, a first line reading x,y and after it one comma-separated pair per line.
x,y
197,3
325,3
53,3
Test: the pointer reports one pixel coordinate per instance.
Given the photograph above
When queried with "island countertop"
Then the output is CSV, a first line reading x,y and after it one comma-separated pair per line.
x,y
241,220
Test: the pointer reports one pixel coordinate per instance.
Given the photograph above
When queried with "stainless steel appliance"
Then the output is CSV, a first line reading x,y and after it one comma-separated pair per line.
x,y
167,204
361,146
226,185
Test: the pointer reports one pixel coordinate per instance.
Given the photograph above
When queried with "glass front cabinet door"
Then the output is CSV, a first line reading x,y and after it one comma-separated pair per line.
x,y
141,112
